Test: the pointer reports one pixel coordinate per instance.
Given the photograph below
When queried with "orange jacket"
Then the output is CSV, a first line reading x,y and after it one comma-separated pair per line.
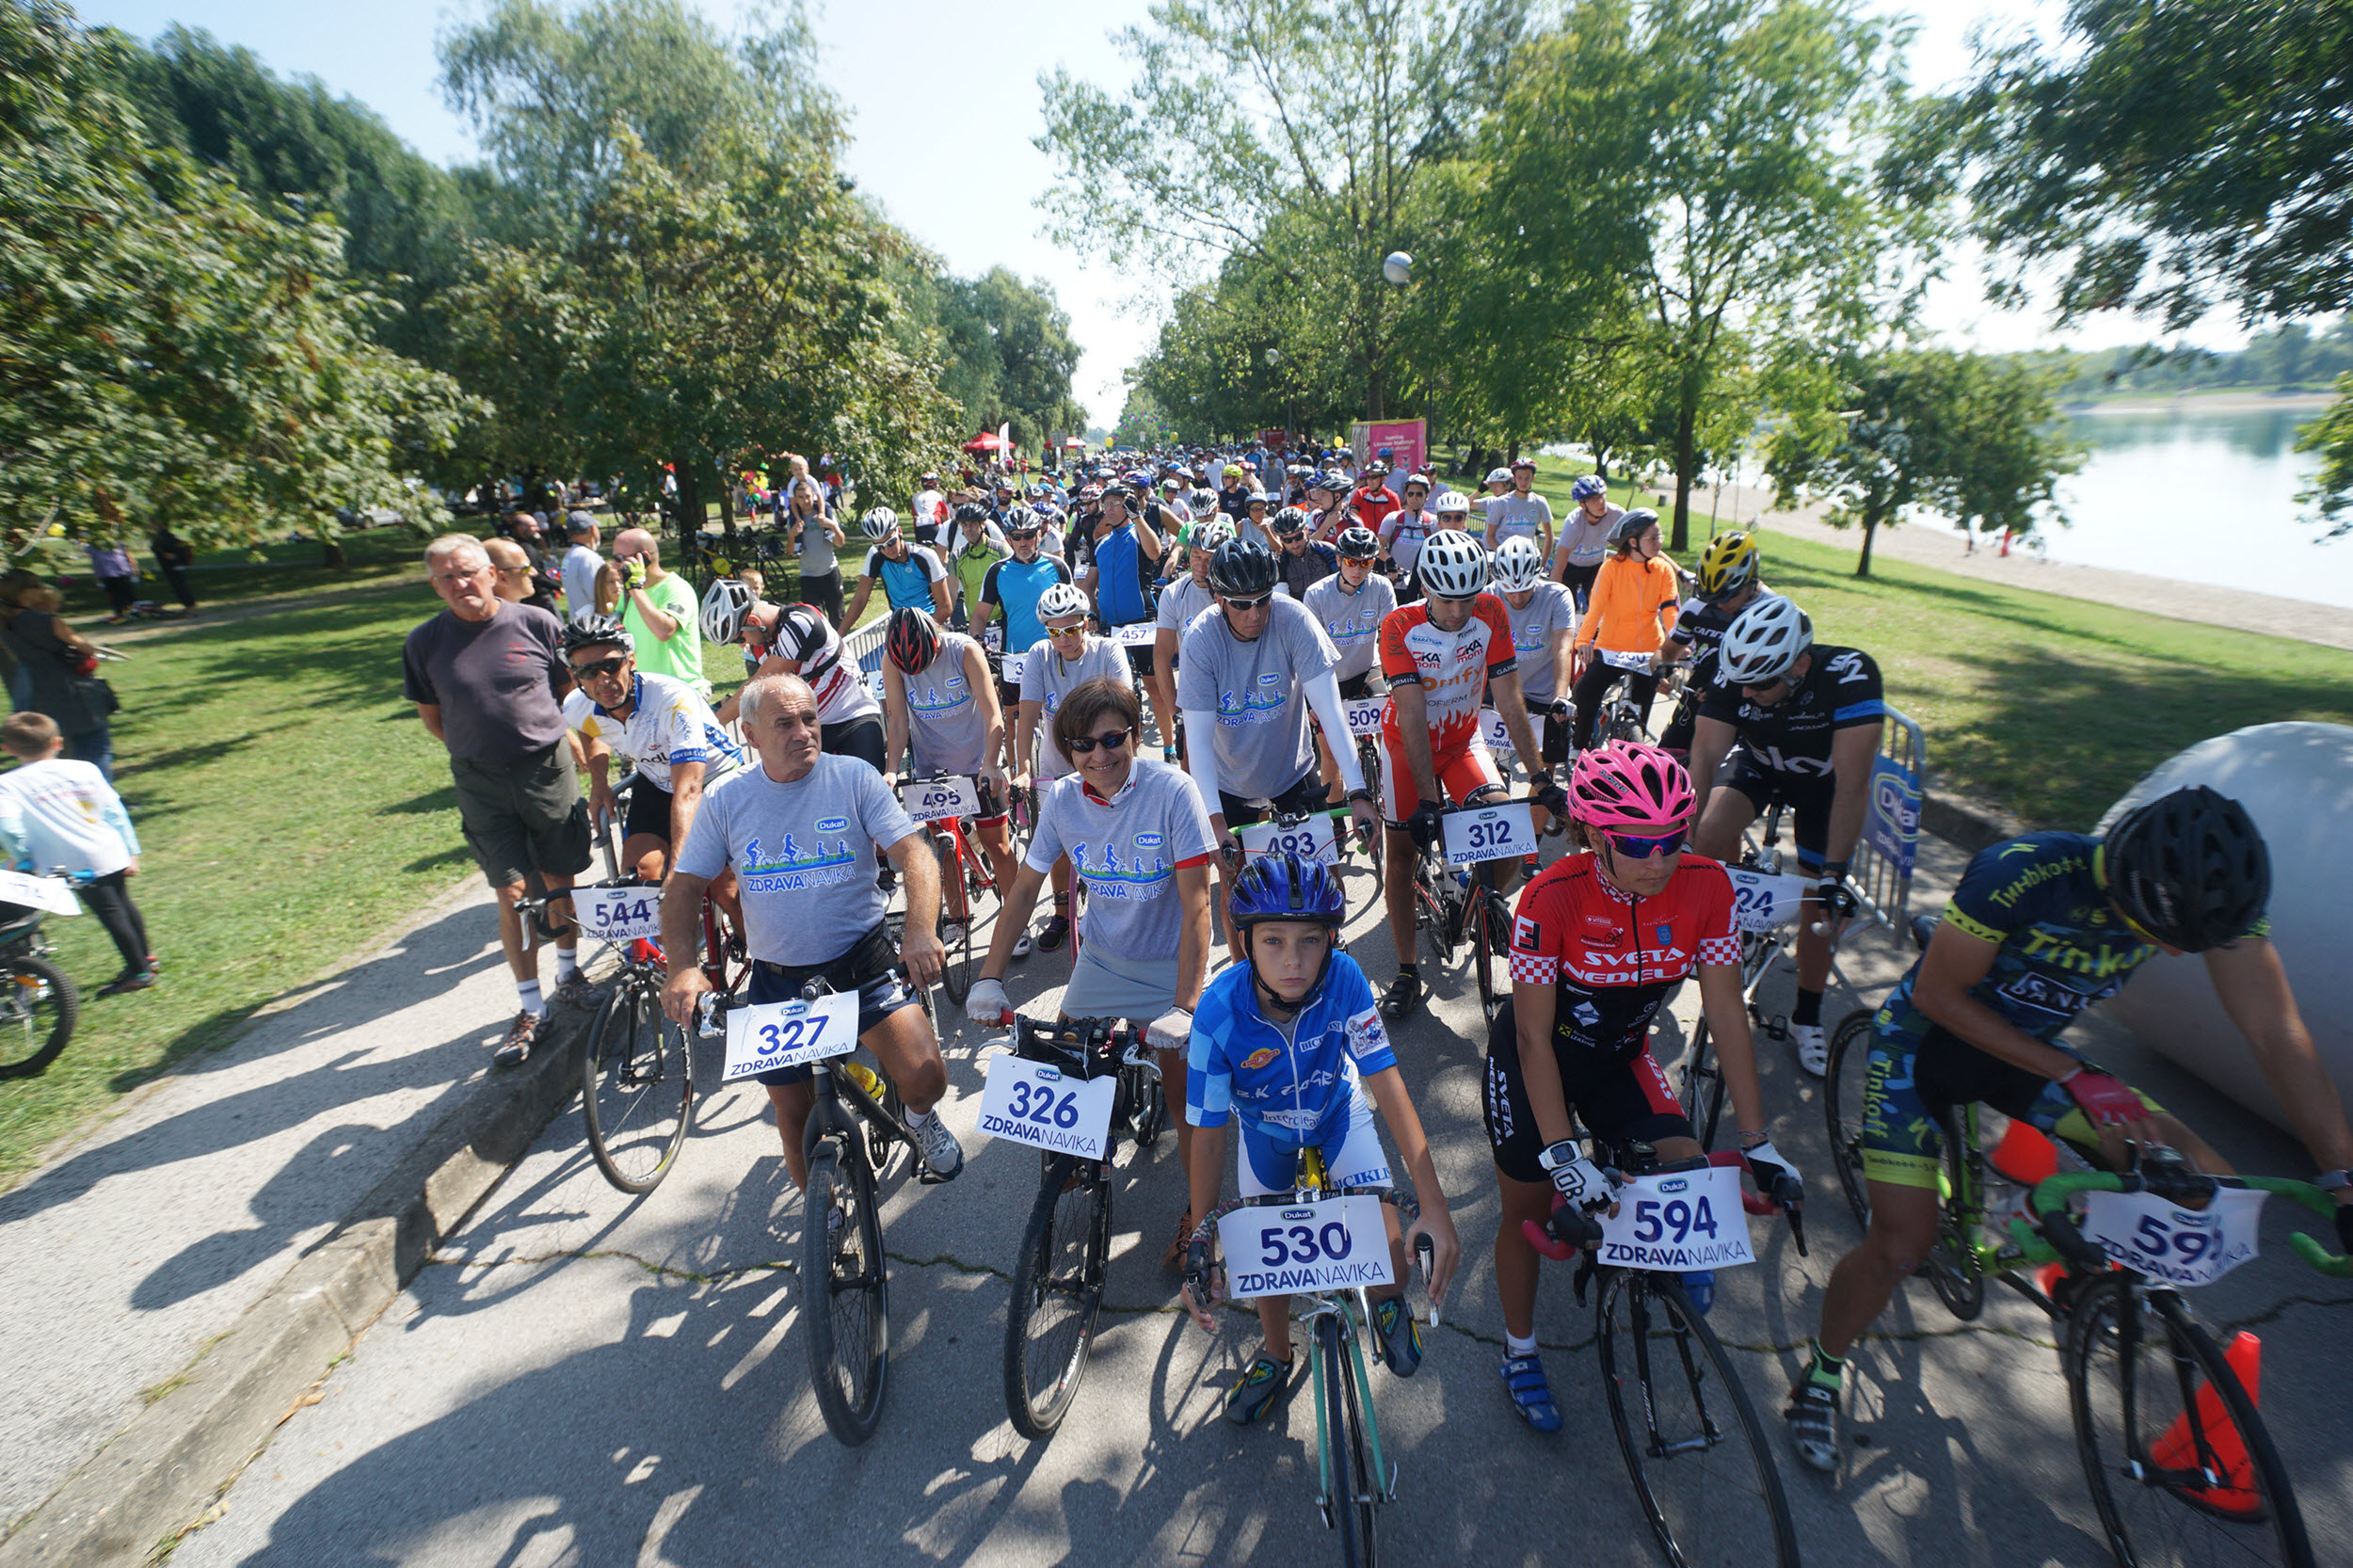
x,y
1627,598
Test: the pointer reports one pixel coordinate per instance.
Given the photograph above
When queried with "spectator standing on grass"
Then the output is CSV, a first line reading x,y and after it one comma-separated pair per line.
x,y
815,536
658,611
173,558
581,562
53,670
57,814
546,575
488,678
118,575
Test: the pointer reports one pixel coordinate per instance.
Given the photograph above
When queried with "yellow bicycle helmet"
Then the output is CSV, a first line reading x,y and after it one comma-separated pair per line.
x,y
1727,566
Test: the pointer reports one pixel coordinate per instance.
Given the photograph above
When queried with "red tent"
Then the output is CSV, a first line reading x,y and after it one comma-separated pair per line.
x,y
985,441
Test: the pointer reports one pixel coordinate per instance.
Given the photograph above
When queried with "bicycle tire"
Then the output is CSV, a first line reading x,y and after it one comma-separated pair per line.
x,y
1346,1462
849,1347
1749,1507
956,921
1064,1252
1497,920
38,1016
1955,1272
635,1059
1701,1093
2148,1523
1842,1083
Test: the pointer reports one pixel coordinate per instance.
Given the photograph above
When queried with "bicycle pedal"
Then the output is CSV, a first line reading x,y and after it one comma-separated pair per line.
x,y
1777,1027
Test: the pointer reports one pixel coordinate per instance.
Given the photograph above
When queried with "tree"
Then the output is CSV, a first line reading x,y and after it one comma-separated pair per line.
x,y
1976,438
169,354
1009,352
2332,436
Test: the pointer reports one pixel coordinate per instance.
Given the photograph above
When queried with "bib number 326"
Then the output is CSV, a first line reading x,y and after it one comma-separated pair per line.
x,y
1034,1103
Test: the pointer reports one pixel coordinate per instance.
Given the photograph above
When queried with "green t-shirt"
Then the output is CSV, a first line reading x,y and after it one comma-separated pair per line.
x,y
681,657
971,567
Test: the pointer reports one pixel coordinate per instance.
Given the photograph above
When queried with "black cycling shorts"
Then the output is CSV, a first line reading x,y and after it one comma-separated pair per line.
x,y
1617,1102
1363,685
1138,658
648,811
860,738
1804,795
1556,734
1308,794
869,968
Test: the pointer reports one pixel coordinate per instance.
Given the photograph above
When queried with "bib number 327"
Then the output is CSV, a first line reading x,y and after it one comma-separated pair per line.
x,y
790,1033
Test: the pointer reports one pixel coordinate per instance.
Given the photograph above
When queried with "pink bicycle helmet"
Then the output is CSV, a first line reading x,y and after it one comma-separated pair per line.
x,y
1629,784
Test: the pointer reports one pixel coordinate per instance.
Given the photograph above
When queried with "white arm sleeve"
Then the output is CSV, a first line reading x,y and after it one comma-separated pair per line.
x,y
1201,755
1323,700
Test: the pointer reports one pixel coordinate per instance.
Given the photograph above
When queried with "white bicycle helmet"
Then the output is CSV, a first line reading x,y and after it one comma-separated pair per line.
x,y
1211,533
881,525
1517,565
1451,564
1452,504
1059,602
1764,641
725,607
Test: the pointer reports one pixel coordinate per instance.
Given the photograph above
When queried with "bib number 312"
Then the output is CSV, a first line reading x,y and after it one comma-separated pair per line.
x,y
1490,833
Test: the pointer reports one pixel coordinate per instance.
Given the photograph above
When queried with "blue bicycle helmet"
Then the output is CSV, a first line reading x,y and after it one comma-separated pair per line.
x,y
1285,886
1587,487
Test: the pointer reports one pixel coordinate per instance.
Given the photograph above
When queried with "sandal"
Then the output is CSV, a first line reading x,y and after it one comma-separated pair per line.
x,y
1176,1256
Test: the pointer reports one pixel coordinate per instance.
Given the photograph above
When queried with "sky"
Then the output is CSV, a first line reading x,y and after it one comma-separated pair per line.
x,y
964,179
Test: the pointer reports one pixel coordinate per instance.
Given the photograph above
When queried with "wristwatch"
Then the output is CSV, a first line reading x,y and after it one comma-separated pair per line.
x,y
1364,795
2334,1181
1553,1156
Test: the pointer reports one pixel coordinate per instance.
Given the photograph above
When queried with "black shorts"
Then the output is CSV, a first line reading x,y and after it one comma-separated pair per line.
x,y
824,590
1683,725
1308,794
1804,795
1618,1103
1139,656
648,811
1579,581
1555,736
869,968
524,816
1358,686
858,738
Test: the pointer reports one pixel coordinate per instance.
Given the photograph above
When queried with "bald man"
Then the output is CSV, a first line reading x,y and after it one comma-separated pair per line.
x,y
513,568
658,608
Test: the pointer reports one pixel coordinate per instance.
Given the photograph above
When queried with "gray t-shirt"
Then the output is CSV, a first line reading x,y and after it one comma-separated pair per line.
x,y
817,556
803,855
1510,515
1128,851
1352,621
1258,692
1047,677
947,724
496,681
1585,540
1179,602
580,566
1552,609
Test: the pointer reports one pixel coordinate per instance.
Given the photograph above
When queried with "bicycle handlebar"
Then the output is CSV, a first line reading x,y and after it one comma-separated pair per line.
x,y
2067,1244
1565,1229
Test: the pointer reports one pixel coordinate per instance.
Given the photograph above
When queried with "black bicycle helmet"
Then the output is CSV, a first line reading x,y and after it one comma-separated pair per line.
x,y
969,511
1631,528
1290,520
2188,868
1359,543
596,632
1241,569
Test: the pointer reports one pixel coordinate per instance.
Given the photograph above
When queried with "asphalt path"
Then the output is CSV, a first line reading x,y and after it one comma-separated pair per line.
x,y
584,1378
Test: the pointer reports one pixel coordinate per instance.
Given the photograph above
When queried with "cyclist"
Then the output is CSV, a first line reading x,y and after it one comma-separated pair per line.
x,y
1350,605
1728,585
1301,561
980,546
1010,590
1253,523
1601,941
1439,655
1066,657
661,727
942,717
1180,602
1288,1044
1543,620
796,639
1807,719
1627,616
803,831
1124,558
1406,529
1585,536
912,576
1371,499
1327,519
1519,512
929,508
2040,929
1251,673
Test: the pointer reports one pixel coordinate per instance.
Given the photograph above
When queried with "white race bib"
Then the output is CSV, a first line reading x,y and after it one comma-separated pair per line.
x,y
1760,903
2176,1246
50,893
1136,634
938,799
788,1033
1490,833
1040,1105
1638,663
1496,733
1364,714
1317,839
1335,1244
620,913
1679,1220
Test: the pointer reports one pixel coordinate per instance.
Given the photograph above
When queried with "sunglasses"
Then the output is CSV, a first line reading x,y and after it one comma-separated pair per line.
x,y
602,666
1635,848
1246,604
1077,631
1084,745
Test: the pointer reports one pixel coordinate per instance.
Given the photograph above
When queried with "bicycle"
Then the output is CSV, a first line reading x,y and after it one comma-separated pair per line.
x,y
1355,1477
637,1074
38,1002
1059,1273
1452,905
943,802
1671,1429
1765,906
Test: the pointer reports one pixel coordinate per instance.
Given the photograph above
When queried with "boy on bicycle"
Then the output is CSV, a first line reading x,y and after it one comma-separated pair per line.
x,y
1289,1042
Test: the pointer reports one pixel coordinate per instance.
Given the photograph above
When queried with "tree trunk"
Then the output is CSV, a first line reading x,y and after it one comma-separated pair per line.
x,y
1687,460
690,509
1870,527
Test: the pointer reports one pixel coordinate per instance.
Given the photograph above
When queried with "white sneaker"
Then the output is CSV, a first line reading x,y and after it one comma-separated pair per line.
x,y
1813,1049
1023,945
943,1157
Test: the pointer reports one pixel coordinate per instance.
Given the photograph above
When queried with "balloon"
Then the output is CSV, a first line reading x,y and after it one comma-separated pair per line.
x,y
1397,267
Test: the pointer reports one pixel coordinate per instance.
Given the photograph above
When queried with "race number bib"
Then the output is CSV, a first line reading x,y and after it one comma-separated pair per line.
x,y
1010,671
1317,839
789,1034
1489,833
50,893
1334,1244
2174,1246
1034,1103
620,913
1497,734
1364,714
938,799
1638,662
1760,903
1679,1220
1136,634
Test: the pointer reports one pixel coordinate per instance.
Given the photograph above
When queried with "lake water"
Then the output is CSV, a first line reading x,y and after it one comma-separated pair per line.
x,y
2203,496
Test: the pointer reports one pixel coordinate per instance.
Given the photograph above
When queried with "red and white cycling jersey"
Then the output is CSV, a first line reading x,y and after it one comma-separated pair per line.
x,y
1450,667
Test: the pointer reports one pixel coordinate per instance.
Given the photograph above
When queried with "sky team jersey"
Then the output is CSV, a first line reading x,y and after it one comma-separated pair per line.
x,y
1287,1089
1614,958
1840,691
2041,900
1013,587
1700,628
907,583
669,724
1452,669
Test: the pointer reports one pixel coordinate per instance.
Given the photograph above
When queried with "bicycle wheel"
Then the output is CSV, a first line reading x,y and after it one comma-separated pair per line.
x,y
1351,1489
1702,1093
1431,920
956,921
1057,1294
38,1010
1692,1443
847,1281
1490,944
637,1088
1955,1272
1842,1083
2179,1462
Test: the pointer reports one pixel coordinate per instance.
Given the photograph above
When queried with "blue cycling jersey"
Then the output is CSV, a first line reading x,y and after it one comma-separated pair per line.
x,y
1119,596
1013,587
1291,1087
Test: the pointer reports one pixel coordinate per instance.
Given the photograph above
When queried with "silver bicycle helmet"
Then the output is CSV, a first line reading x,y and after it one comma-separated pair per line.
x,y
1059,602
1517,565
881,525
1764,641
726,606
